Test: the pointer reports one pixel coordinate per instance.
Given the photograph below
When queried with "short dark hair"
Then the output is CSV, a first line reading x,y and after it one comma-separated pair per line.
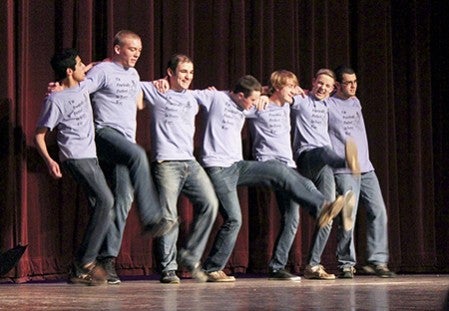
x,y
63,60
341,70
247,85
175,59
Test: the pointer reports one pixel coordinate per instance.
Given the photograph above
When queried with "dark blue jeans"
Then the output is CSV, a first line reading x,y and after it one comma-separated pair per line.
x,y
289,211
89,175
251,173
316,164
189,178
367,190
130,170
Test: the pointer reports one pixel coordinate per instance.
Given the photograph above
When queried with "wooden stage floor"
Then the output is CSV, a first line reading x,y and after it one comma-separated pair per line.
x,y
405,292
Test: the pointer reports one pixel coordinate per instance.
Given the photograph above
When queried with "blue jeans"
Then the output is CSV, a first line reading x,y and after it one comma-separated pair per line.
x,y
367,190
316,164
118,177
189,178
289,210
250,173
131,170
89,175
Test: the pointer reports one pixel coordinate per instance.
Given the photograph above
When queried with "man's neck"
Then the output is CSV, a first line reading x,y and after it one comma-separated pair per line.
x,y
69,82
342,96
275,99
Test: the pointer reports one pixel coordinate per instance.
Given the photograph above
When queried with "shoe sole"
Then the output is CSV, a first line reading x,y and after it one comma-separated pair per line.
x,y
333,210
348,208
115,282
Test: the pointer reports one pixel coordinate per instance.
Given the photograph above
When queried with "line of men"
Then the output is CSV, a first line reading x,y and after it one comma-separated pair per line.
x,y
95,116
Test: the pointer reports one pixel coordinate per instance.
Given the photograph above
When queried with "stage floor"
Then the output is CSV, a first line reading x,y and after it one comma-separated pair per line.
x,y
405,292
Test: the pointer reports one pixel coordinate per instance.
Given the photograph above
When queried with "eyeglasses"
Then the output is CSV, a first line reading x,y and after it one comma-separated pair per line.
x,y
346,83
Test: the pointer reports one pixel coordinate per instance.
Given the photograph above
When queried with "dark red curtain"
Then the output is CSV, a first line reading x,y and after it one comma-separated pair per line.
x,y
398,48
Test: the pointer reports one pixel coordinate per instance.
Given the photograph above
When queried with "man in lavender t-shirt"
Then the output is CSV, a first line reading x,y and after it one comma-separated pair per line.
x,y
346,121
176,170
70,113
115,90
315,158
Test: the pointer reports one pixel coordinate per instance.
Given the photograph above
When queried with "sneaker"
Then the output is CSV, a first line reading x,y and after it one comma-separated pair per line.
x,y
160,228
108,264
352,156
347,273
282,275
317,273
330,210
169,277
89,274
346,211
197,273
186,260
219,276
381,270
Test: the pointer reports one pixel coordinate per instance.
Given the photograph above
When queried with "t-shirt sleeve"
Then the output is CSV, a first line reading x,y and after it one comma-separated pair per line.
x,y
50,115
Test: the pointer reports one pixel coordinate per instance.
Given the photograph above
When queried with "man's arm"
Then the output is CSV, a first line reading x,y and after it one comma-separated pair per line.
x,y
140,103
39,141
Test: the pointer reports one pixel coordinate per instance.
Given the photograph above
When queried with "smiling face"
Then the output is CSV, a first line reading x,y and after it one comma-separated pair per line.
x,y
182,77
286,93
322,86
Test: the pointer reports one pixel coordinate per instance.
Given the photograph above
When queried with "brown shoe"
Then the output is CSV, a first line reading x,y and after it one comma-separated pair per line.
x,y
89,274
219,276
352,156
330,210
317,273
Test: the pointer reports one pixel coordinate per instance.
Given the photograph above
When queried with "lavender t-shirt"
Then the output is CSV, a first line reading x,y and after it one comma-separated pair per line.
x,y
70,112
270,131
310,121
114,92
172,124
222,142
346,120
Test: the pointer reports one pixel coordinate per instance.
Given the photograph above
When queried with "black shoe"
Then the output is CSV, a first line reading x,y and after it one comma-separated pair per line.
x,y
381,270
347,273
108,264
10,258
282,275
160,228
169,277
89,274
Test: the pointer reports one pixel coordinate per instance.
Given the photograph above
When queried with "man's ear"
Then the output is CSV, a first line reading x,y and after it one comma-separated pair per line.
x,y
69,72
117,49
169,72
